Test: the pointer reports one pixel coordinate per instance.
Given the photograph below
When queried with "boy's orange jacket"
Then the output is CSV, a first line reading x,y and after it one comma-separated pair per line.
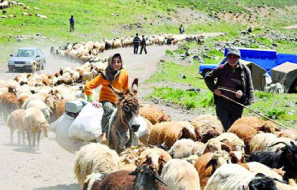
x,y
106,94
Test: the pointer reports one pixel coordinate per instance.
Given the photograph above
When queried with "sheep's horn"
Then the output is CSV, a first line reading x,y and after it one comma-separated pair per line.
x,y
157,177
281,181
277,144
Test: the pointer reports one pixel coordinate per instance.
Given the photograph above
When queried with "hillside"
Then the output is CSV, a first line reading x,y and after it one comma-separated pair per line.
x,y
117,18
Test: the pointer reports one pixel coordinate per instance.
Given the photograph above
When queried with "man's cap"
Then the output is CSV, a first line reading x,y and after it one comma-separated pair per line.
x,y
234,52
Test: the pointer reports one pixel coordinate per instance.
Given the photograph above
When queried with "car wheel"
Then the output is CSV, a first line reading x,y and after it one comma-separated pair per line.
x,y
10,69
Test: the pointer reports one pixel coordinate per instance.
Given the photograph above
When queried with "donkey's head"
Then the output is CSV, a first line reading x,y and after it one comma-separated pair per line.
x,y
128,106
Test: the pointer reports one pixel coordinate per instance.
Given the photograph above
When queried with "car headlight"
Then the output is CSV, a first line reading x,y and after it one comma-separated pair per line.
x,y
28,62
10,62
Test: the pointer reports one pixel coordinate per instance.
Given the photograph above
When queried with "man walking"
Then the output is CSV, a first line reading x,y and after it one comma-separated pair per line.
x,y
181,29
71,22
143,45
233,81
136,42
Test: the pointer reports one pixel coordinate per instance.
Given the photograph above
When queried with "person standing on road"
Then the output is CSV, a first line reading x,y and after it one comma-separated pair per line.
x,y
136,42
181,29
233,81
143,45
118,78
71,22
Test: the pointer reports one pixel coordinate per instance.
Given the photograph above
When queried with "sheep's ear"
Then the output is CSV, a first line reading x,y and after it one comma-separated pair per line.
x,y
212,162
132,173
119,93
225,147
135,86
277,129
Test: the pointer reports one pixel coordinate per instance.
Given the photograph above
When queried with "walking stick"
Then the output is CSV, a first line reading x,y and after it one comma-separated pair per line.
x,y
259,114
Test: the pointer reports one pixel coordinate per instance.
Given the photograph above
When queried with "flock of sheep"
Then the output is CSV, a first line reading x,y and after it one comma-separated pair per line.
x,y
88,51
7,4
253,154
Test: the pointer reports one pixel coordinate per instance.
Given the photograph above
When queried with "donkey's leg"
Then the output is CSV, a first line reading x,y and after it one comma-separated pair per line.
x,y
120,141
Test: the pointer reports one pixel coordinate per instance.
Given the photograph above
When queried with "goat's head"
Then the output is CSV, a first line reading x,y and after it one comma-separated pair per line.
x,y
128,106
146,178
262,182
289,154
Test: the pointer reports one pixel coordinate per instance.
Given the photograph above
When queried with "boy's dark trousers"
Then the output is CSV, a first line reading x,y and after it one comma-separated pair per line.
x,y
143,48
136,49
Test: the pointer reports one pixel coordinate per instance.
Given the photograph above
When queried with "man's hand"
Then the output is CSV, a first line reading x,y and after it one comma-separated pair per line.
x,y
96,104
217,92
239,94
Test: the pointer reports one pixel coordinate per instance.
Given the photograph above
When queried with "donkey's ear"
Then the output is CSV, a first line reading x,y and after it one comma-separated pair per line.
x,y
119,93
135,86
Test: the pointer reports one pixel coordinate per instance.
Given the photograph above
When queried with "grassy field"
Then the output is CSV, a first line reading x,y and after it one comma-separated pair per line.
x,y
116,18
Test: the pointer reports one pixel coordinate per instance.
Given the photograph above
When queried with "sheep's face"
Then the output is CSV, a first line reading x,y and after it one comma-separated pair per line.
x,y
146,178
50,102
262,182
44,129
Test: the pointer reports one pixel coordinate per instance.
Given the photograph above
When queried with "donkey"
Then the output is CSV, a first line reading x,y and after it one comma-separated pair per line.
x,y
123,122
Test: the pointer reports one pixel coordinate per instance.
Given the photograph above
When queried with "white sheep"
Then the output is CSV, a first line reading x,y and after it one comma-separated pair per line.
x,y
15,122
41,106
34,122
256,167
261,141
275,148
186,147
95,157
234,176
237,143
41,16
180,175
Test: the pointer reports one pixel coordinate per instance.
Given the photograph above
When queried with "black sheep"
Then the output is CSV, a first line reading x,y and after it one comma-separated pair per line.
x,y
286,158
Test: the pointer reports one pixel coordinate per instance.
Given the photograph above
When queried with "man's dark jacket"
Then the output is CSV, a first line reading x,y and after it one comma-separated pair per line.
x,y
136,41
246,79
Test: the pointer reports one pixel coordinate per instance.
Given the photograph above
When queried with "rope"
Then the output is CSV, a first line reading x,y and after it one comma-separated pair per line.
x,y
259,114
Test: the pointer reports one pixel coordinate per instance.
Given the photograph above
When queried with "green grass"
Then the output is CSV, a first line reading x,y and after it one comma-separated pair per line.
x,y
170,72
187,99
96,19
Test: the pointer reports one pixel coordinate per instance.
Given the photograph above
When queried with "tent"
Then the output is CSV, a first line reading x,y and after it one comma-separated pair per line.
x,y
258,74
285,73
